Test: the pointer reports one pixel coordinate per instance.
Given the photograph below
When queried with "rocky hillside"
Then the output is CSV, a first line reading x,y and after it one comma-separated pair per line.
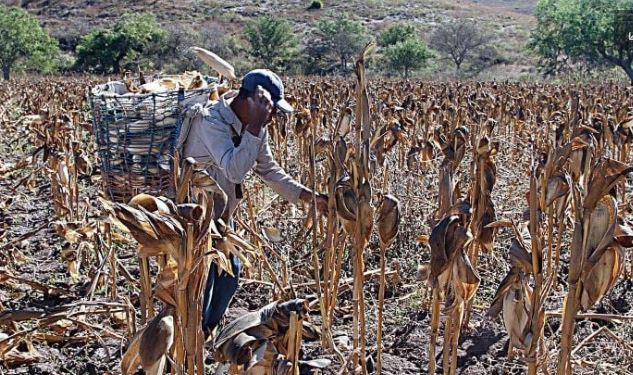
x,y
509,20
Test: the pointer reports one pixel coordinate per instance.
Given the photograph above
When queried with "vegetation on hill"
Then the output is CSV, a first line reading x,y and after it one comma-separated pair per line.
x,y
511,39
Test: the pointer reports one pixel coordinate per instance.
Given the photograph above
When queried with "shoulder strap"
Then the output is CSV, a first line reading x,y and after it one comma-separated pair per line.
x,y
191,115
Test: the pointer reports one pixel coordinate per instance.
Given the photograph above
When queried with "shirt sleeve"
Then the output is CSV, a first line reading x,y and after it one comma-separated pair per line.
x,y
274,176
235,162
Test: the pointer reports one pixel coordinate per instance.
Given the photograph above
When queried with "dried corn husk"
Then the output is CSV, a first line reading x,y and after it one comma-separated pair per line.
x,y
447,239
604,176
557,187
346,201
157,233
601,275
388,219
257,339
150,345
513,297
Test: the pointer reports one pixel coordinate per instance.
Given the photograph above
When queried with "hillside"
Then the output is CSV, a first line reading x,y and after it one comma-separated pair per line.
x,y
76,14
508,20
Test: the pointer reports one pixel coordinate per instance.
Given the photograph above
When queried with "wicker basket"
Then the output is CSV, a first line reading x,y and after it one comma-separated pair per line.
x,y
136,137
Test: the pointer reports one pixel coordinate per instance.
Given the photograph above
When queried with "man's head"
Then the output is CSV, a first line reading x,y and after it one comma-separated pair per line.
x,y
270,82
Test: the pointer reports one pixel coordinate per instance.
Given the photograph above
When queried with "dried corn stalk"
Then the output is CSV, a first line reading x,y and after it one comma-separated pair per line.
x,y
514,296
182,234
452,277
596,219
481,201
388,224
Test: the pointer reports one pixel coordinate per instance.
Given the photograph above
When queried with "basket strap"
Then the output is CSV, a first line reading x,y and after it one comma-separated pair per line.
x,y
191,115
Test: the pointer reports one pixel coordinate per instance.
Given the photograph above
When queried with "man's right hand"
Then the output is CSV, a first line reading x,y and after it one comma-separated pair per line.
x,y
261,106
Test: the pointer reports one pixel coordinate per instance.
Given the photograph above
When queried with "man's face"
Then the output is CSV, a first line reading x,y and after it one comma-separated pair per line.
x,y
260,97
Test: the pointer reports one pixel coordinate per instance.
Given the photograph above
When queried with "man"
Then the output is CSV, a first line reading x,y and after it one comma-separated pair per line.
x,y
233,139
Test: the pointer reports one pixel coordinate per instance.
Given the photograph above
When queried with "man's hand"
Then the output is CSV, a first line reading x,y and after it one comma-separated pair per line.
x,y
321,200
261,106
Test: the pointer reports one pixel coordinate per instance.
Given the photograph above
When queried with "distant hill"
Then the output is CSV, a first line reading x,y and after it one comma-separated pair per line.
x,y
509,20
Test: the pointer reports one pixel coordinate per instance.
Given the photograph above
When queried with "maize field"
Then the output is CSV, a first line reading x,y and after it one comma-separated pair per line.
x,y
473,228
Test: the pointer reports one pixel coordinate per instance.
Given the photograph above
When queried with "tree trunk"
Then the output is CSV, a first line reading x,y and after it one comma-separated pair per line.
x,y
6,72
406,72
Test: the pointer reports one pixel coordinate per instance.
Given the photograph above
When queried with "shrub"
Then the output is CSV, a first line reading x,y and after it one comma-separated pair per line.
x,y
316,5
124,45
272,41
396,33
408,55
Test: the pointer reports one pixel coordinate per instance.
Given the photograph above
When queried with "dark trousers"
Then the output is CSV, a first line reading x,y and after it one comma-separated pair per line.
x,y
218,293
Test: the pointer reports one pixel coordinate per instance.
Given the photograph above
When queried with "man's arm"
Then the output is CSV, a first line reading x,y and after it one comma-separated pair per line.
x,y
275,177
234,161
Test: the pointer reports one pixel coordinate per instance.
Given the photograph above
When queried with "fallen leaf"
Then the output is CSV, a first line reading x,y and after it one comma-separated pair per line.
x,y
272,234
422,239
22,354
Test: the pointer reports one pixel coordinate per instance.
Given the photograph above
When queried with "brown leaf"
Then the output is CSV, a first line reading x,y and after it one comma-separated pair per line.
x,y
605,174
272,234
624,234
346,200
502,223
496,306
131,360
466,277
447,239
557,186
23,353
155,342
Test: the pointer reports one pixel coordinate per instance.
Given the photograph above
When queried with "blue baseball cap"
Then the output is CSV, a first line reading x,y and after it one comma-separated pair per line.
x,y
270,82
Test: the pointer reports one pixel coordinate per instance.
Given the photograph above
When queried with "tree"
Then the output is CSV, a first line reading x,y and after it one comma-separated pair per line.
x,y
458,40
593,32
396,33
108,50
408,55
342,37
23,40
272,41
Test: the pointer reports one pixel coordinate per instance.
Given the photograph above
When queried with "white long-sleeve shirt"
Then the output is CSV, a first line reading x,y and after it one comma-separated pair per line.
x,y
210,142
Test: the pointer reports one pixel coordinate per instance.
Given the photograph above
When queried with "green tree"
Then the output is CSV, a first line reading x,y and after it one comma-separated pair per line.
x,y
396,33
595,32
272,41
108,50
408,55
342,37
23,40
